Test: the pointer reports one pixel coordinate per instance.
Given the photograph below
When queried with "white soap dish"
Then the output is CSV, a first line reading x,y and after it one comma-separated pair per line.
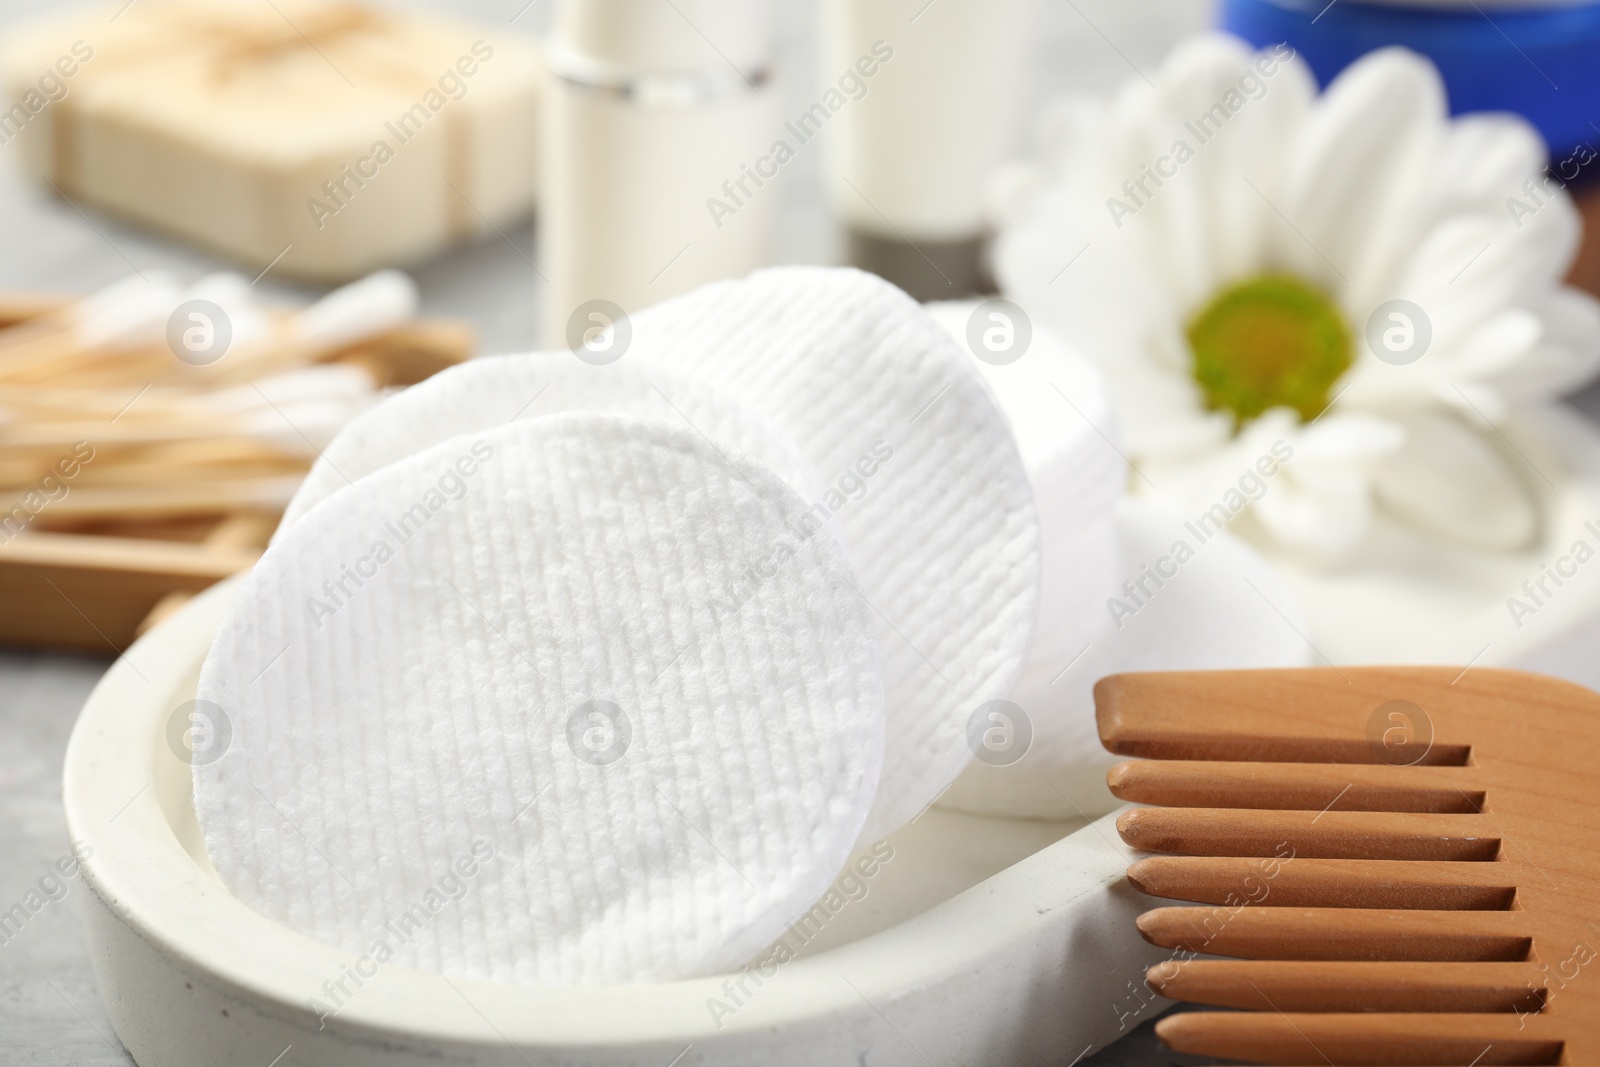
x,y
981,941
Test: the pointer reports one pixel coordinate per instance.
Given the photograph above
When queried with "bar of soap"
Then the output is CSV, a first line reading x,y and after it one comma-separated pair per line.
x,y
338,136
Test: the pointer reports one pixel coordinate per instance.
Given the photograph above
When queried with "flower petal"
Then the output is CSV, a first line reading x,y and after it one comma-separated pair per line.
x,y
1325,512
1250,182
1349,437
1498,345
1485,158
1450,480
1567,356
1476,403
1359,168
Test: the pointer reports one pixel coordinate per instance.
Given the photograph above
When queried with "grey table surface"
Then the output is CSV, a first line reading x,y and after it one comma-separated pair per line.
x,y
50,1012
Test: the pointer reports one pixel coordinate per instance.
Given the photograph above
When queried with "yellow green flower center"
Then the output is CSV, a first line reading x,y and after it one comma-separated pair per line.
x,y
1269,342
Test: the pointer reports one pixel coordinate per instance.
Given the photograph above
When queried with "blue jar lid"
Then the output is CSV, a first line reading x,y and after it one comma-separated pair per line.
x,y
1542,62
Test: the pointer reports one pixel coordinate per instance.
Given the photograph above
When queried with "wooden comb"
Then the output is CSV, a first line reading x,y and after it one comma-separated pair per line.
x,y
1403,863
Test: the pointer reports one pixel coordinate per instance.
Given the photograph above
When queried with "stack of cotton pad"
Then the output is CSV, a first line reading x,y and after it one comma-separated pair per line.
x,y
1219,606
496,390
647,647
1059,411
918,468
540,647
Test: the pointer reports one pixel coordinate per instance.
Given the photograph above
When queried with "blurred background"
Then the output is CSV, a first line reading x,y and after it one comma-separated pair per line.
x,y
159,154
1086,45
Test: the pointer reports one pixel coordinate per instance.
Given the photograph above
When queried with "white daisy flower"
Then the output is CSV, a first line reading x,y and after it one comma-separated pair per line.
x,y
1230,246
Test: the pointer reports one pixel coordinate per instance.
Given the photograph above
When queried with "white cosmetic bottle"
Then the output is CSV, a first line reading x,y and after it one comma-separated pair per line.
x,y
909,161
656,113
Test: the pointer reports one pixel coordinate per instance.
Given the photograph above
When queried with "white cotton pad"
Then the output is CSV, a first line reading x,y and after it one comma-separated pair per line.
x,y
492,391
919,470
1056,402
1080,570
570,701
1223,607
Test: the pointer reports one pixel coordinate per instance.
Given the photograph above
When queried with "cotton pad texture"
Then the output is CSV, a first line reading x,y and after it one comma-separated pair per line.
x,y
1038,753
1220,606
573,700
494,390
854,395
919,470
1058,408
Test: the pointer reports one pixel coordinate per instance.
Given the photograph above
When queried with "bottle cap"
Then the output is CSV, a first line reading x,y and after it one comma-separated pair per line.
x,y
1556,43
666,36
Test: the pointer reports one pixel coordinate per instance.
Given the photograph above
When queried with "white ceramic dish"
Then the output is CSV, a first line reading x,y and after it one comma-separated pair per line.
x,y
983,941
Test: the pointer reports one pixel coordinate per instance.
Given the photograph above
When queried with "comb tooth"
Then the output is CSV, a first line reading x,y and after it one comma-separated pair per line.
x,y
1338,1039
1314,883
1291,716
1304,786
1340,933
1326,835
1324,986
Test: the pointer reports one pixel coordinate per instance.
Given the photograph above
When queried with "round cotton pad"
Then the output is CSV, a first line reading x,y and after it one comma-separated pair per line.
x,y
484,393
1220,606
1059,411
919,470
569,701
